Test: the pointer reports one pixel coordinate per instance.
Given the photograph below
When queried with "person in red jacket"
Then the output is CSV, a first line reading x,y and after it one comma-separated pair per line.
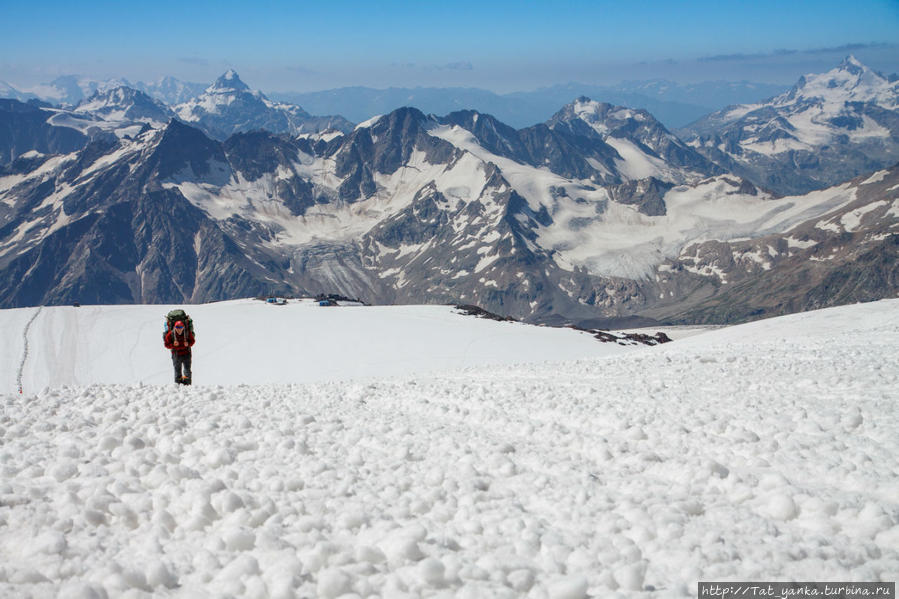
x,y
180,340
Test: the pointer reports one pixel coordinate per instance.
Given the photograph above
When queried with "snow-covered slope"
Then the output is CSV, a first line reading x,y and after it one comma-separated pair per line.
x,y
111,112
764,451
250,342
644,147
843,251
125,104
828,128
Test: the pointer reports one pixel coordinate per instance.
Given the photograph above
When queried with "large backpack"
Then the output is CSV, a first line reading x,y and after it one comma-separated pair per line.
x,y
174,316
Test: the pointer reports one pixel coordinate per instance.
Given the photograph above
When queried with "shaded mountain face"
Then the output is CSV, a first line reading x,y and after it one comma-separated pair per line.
x,y
564,154
228,106
183,151
258,154
103,226
113,113
25,128
827,129
598,214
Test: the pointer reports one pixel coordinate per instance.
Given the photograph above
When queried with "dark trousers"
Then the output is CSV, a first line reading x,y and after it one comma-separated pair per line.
x,y
181,361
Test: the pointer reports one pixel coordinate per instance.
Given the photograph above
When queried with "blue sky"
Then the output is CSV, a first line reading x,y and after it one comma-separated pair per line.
x,y
500,45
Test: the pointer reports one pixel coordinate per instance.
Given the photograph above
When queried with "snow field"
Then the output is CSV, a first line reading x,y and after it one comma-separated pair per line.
x,y
249,342
761,452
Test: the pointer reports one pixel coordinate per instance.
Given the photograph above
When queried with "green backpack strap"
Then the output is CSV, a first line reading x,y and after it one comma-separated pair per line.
x,y
175,315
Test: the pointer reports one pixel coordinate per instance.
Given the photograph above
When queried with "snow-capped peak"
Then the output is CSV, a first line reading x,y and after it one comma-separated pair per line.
x,y
229,81
597,114
584,105
124,103
229,106
602,117
844,118
850,81
629,132
115,95
851,61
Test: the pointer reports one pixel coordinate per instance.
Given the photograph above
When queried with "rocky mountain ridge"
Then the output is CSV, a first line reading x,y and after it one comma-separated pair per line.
x,y
405,208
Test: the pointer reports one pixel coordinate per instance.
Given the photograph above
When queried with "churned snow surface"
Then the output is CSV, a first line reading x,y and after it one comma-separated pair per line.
x,y
765,451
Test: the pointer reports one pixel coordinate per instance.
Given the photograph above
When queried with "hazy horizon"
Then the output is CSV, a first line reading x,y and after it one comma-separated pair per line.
x,y
498,46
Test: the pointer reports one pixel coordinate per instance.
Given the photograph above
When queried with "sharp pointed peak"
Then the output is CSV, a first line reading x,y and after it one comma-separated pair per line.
x,y
849,65
850,72
230,80
851,60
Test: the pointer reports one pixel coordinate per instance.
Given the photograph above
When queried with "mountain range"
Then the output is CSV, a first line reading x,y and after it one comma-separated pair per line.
x,y
674,104
70,90
598,214
225,107
828,128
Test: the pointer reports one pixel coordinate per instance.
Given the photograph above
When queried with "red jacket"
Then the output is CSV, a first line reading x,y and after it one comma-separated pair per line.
x,y
185,341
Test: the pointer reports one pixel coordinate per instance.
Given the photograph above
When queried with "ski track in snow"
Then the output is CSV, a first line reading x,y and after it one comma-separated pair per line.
x,y
25,348
743,454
